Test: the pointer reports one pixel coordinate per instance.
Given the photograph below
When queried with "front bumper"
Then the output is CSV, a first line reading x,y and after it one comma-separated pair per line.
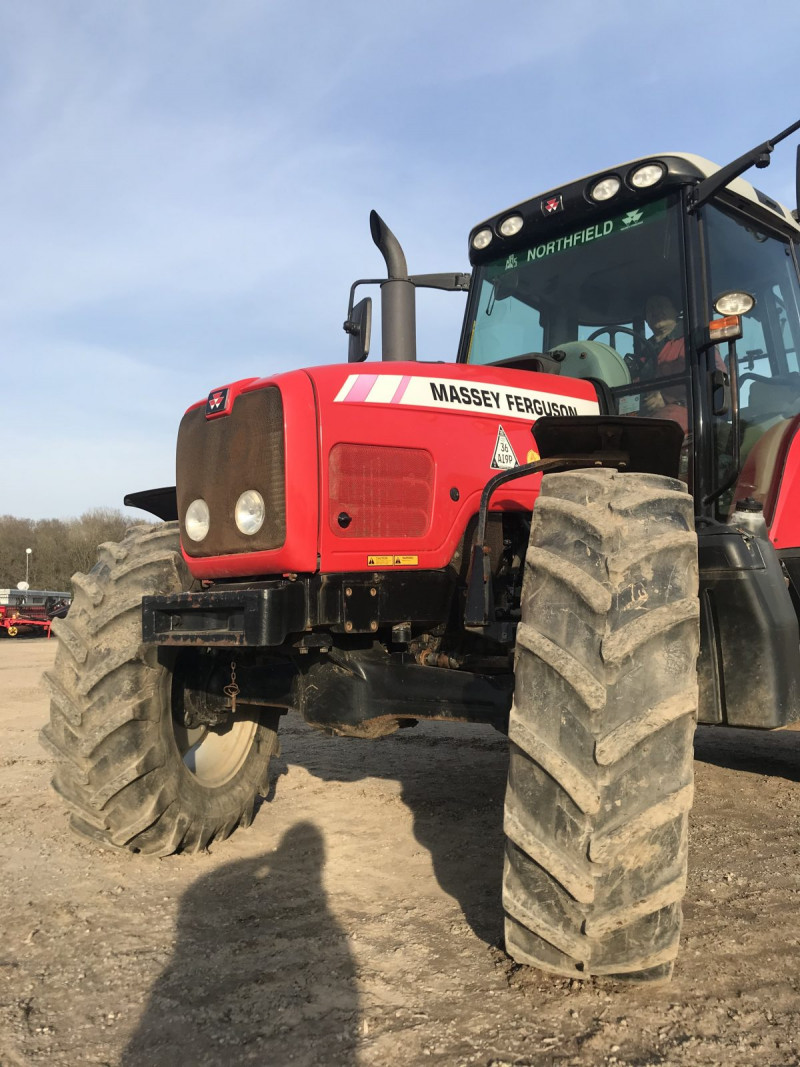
x,y
268,613
250,617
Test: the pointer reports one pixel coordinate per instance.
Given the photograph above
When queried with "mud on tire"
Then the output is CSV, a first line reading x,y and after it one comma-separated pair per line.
x,y
131,776
601,776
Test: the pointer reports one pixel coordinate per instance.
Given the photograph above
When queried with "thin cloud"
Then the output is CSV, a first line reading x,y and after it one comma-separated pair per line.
x,y
186,185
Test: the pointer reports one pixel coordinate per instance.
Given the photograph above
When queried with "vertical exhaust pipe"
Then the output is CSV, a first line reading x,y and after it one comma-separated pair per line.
x,y
398,308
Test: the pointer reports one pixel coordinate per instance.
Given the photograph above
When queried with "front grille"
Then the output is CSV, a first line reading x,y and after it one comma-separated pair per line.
x,y
218,459
385,491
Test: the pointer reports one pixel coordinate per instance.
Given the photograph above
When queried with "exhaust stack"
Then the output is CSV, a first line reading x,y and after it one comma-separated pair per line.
x,y
398,307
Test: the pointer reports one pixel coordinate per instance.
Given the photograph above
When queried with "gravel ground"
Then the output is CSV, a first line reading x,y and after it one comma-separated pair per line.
x,y
358,920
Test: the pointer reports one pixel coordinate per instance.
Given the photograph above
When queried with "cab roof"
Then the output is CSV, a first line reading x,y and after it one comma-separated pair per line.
x,y
547,211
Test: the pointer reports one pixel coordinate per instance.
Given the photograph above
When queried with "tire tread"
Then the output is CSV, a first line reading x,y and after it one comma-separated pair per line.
x,y
600,776
118,771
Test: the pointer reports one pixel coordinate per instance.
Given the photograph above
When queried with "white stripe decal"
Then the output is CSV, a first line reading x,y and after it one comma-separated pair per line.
x,y
348,384
449,394
384,389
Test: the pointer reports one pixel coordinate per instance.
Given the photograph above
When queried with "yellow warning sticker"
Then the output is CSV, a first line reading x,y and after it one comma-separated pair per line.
x,y
392,561
532,456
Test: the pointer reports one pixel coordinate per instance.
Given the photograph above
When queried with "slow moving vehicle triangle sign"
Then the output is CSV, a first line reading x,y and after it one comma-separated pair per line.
x,y
504,457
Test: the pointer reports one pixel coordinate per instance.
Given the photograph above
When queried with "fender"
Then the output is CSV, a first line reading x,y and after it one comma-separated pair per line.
x,y
163,503
782,504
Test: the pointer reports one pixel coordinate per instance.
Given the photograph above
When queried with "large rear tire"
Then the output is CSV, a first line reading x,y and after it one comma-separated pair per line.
x,y
605,703
132,774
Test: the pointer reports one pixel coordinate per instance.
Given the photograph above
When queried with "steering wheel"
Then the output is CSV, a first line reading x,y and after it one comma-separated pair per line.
x,y
650,350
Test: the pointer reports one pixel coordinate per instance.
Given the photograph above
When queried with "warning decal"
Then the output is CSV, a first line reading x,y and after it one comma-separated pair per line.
x,y
392,561
504,457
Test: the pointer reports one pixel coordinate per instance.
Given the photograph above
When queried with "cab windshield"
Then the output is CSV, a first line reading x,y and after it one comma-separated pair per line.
x,y
606,299
587,284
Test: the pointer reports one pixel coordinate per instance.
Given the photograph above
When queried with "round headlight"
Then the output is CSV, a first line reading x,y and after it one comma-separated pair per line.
x,y
605,188
249,512
513,224
481,239
197,519
734,303
648,175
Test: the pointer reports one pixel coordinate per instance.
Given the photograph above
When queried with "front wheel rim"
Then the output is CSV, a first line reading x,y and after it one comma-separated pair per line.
x,y
213,756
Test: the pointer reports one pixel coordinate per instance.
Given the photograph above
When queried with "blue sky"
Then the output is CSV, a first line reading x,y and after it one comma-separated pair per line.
x,y
186,185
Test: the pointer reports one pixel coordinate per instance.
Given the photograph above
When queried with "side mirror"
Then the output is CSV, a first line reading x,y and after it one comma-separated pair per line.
x,y
358,328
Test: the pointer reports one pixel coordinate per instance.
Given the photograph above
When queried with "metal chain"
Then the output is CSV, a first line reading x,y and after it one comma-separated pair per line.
x,y
232,689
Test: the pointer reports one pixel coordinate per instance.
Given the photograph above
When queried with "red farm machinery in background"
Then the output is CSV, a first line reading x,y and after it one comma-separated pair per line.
x,y
31,611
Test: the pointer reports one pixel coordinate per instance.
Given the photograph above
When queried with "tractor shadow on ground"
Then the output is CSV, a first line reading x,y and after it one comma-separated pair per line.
x,y
452,779
261,971
775,754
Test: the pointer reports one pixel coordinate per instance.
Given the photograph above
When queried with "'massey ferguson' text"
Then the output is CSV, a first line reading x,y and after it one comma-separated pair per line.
x,y
498,400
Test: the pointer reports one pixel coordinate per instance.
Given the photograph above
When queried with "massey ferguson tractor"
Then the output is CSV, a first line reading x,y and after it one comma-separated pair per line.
x,y
543,535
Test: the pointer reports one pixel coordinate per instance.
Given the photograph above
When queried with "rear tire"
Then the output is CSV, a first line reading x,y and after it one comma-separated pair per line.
x,y
605,703
132,775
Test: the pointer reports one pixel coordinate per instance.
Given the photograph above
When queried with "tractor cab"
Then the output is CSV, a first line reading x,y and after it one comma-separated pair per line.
x,y
673,286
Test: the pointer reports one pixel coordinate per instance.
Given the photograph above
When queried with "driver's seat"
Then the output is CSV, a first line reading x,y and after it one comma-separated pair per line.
x,y
593,359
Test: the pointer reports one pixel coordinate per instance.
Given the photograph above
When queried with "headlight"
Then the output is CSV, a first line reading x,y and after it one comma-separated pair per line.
x,y
648,175
605,188
197,520
481,239
249,512
734,303
513,224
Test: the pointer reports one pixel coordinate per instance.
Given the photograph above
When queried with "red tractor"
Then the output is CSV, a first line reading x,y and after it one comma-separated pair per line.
x,y
540,536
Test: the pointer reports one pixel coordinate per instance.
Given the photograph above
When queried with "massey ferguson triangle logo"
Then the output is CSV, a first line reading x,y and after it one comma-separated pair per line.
x,y
217,402
633,218
552,205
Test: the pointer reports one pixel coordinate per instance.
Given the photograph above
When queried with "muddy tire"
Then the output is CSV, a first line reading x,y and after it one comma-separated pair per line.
x,y
132,776
600,776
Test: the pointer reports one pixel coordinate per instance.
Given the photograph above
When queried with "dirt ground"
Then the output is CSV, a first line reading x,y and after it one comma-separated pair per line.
x,y
358,920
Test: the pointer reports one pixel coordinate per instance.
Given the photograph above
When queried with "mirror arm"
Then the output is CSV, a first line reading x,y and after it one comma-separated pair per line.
x,y
756,157
451,283
348,323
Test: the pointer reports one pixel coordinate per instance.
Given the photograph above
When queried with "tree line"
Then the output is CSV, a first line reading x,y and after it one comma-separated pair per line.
x,y
59,547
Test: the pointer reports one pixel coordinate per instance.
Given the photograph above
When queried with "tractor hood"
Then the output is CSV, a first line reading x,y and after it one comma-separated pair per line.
x,y
330,467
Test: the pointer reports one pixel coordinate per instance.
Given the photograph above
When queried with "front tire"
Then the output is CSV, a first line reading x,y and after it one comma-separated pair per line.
x,y
601,773
130,772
